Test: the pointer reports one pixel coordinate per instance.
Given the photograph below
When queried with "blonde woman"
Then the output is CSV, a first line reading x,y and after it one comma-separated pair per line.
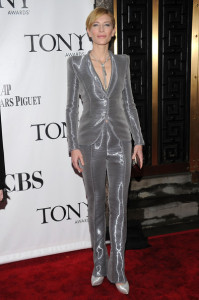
x,y
101,144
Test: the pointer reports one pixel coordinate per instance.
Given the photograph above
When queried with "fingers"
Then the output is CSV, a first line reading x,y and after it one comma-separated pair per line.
x,y
134,155
1,195
81,160
138,151
77,160
77,165
141,161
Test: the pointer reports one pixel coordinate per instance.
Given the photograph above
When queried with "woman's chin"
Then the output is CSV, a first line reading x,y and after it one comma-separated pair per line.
x,y
101,42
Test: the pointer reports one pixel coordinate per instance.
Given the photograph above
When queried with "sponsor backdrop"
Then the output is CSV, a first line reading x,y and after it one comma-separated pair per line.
x,y
47,210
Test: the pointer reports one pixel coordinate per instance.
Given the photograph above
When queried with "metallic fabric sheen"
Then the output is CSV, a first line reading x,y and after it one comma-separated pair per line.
x,y
123,288
116,104
108,120
112,156
95,281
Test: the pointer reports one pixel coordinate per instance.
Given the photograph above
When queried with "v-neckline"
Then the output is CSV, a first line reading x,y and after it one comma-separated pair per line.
x,y
105,90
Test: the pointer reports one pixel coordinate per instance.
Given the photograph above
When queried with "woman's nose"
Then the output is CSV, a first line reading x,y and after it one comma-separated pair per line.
x,y
101,28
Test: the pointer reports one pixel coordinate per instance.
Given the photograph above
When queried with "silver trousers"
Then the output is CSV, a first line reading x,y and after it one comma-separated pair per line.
x,y
108,155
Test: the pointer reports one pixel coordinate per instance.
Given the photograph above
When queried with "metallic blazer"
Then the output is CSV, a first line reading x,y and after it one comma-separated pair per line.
x,y
114,105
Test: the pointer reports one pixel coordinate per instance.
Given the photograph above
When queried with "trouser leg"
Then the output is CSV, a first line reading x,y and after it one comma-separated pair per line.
x,y
109,154
94,175
118,171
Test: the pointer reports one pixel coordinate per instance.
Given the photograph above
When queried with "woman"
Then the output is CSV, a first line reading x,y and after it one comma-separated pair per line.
x,y
102,142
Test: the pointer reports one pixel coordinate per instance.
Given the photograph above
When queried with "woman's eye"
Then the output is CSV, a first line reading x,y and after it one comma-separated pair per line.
x,y
95,25
107,24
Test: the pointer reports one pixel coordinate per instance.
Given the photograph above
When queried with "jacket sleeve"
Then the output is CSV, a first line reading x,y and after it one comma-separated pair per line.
x,y
72,108
130,108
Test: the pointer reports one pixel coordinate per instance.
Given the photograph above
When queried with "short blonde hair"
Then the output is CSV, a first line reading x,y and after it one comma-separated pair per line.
x,y
96,13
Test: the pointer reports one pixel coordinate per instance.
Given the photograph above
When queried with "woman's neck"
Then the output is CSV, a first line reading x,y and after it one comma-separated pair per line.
x,y
100,51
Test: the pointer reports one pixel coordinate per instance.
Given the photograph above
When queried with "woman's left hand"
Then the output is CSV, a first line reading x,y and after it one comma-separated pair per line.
x,y
1,195
138,151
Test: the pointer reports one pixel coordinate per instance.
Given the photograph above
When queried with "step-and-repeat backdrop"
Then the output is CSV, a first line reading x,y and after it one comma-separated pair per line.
x,y
47,210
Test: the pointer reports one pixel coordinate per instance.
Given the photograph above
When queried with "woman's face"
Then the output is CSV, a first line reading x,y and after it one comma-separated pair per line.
x,y
101,30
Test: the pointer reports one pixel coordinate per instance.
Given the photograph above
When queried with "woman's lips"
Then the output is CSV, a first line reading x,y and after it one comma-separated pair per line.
x,y
101,36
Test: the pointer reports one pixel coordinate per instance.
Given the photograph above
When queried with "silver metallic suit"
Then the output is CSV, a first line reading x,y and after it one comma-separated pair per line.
x,y
103,136
107,154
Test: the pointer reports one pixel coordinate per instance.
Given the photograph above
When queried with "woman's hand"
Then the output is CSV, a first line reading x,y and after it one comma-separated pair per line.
x,y
76,157
138,151
1,195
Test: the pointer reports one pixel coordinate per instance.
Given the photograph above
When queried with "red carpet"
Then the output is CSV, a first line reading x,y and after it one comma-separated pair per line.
x,y
167,270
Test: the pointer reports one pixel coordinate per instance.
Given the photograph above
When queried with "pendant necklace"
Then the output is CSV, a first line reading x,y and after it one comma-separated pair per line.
x,y
103,68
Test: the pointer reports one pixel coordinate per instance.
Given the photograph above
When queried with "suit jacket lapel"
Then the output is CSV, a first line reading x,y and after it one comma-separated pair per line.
x,y
114,74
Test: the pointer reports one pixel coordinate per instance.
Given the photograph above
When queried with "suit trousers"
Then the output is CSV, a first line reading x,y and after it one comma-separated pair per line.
x,y
112,157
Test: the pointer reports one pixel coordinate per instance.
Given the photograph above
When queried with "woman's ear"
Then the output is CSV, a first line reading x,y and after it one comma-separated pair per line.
x,y
89,35
113,32
88,32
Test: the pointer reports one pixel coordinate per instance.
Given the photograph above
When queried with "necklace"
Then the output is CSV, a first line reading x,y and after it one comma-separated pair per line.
x,y
103,68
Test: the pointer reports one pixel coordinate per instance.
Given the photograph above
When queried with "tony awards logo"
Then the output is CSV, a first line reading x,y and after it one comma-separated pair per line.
x,y
72,43
16,7
51,131
58,213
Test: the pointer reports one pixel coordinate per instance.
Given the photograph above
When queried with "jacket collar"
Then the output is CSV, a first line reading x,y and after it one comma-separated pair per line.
x,y
114,75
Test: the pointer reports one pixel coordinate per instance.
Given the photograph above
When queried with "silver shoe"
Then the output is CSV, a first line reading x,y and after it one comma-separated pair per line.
x,y
123,287
96,280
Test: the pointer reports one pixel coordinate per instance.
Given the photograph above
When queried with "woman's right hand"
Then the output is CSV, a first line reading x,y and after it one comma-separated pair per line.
x,y
77,156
